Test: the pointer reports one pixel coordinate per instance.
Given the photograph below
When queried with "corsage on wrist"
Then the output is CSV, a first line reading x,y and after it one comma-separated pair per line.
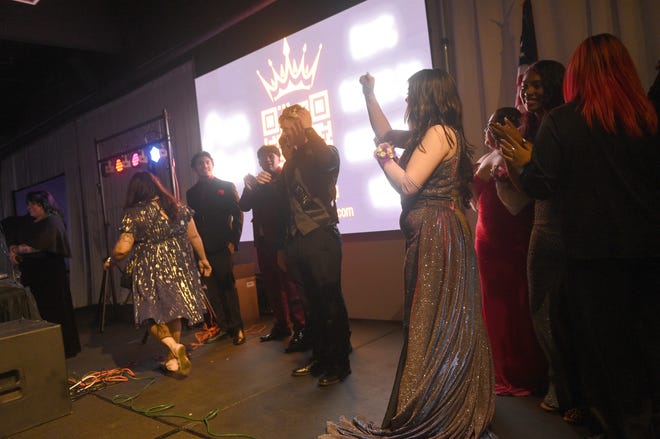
x,y
384,153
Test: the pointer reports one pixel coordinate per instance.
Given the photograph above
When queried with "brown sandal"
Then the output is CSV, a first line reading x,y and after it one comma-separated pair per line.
x,y
574,416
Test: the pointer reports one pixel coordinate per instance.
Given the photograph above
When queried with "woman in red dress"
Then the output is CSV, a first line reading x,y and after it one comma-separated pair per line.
x,y
503,229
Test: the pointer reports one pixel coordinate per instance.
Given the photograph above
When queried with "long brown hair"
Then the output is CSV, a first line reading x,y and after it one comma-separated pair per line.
x,y
601,78
144,186
433,100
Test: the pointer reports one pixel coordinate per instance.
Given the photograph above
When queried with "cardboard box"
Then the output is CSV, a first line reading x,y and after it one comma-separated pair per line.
x,y
246,284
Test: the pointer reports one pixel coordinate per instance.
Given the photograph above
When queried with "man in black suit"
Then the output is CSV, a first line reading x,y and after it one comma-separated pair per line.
x,y
219,221
313,248
269,221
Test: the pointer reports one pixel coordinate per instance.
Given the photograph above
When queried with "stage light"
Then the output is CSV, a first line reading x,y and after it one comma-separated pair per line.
x,y
135,160
119,166
154,153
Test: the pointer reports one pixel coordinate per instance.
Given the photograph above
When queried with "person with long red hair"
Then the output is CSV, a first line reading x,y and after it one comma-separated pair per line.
x,y
600,154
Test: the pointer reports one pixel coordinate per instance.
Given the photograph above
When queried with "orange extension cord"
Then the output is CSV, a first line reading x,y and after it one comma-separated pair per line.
x,y
207,332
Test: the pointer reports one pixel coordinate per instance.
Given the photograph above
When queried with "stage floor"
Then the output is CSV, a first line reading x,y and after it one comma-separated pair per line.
x,y
249,386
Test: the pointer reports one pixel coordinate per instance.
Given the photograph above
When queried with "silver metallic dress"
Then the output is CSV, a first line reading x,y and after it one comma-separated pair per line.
x,y
166,281
444,385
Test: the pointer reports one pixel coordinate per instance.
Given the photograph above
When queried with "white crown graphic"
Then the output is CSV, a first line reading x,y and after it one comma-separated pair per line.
x,y
293,76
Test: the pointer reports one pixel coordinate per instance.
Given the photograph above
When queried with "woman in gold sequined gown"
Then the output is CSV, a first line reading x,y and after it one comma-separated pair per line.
x,y
166,285
444,384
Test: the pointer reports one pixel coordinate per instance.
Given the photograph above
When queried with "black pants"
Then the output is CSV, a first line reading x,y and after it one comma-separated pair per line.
x,y
613,309
314,262
221,291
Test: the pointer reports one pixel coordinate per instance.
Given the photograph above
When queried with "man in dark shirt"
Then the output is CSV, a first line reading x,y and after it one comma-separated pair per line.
x,y
313,248
219,221
269,217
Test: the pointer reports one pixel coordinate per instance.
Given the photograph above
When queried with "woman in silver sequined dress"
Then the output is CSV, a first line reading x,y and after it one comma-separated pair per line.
x,y
166,286
444,384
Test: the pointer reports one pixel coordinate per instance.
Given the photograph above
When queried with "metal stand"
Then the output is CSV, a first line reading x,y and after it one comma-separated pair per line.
x,y
121,146
103,299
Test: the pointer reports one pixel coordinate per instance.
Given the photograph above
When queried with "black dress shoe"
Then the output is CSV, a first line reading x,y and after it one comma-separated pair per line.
x,y
299,342
239,337
313,367
333,377
276,334
218,336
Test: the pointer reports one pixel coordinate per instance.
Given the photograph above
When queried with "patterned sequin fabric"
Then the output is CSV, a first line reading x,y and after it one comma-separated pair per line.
x,y
545,270
166,281
444,385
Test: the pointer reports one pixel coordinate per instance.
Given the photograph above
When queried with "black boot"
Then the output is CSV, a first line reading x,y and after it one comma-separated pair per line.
x,y
300,342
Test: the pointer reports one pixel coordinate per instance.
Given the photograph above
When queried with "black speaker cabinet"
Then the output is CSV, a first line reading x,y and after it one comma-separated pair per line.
x,y
33,376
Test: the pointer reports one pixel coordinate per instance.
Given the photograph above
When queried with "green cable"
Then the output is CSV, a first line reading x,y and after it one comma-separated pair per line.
x,y
155,411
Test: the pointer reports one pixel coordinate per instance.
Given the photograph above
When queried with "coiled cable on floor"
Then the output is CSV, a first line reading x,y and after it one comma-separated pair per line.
x,y
207,331
93,381
157,411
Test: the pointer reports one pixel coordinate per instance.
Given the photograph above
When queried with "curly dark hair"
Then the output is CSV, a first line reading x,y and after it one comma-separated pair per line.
x,y
510,113
145,186
433,100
